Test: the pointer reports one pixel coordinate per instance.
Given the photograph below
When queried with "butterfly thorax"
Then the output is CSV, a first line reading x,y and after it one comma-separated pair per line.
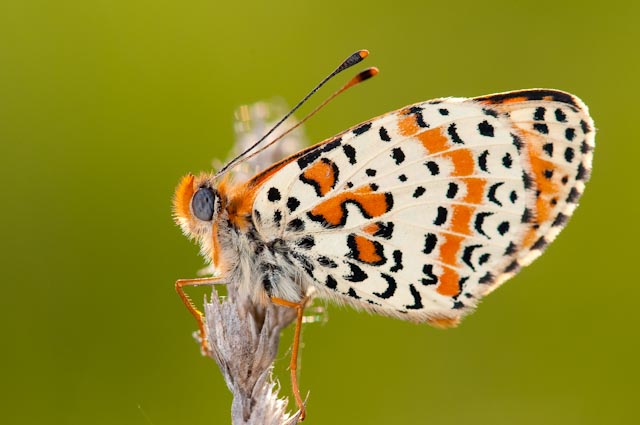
x,y
219,217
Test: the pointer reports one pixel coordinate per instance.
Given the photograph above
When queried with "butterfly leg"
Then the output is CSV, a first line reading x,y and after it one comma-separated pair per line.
x,y
180,284
293,365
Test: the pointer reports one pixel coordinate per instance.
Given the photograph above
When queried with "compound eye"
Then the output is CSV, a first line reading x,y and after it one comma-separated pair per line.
x,y
202,203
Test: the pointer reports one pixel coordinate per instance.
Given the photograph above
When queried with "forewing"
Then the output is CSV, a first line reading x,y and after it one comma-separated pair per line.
x,y
420,212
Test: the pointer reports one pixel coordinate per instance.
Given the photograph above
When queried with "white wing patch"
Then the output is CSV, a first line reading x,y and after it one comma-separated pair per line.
x,y
420,212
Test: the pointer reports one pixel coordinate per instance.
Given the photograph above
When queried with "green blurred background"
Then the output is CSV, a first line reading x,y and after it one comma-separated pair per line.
x,y
105,104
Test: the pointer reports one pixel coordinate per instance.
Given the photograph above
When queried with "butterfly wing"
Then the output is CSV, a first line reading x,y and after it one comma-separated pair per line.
x,y
420,212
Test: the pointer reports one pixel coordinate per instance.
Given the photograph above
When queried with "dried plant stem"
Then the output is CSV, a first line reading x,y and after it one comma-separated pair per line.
x,y
244,342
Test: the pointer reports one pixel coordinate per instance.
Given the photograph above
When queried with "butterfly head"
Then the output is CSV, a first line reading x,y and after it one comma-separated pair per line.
x,y
196,205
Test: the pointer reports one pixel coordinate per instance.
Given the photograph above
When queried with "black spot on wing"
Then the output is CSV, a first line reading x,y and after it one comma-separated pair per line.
x,y
467,253
540,243
352,293
541,128
443,111
512,267
433,167
517,141
295,225
309,156
511,249
293,204
503,228
586,128
490,112
452,190
362,129
384,135
491,195
548,148
570,134
526,179
569,154
273,194
507,161
574,195
418,192
441,216
486,129
307,242
479,222
391,288
397,259
453,134
539,114
560,115
385,230
430,241
398,156
560,220
277,217
356,273
431,278
327,262
583,173
482,160
417,299
350,153
331,283
416,111
487,278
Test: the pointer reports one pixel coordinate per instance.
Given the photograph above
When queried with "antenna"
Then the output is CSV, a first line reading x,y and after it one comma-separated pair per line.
x,y
361,77
347,63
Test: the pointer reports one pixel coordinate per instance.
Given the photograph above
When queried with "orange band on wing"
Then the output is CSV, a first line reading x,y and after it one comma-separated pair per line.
x,y
433,140
333,212
367,251
322,175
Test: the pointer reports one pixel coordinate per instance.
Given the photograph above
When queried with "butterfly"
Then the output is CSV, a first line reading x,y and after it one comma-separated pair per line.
x,y
416,214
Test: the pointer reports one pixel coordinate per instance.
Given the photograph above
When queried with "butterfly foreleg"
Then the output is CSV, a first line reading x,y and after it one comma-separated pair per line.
x,y
199,316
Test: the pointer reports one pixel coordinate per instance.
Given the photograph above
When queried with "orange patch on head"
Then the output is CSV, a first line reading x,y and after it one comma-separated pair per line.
x,y
322,175
367,251
333,210
182,198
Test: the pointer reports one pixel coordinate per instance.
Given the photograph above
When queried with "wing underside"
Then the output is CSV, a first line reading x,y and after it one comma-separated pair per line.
x,y
420,212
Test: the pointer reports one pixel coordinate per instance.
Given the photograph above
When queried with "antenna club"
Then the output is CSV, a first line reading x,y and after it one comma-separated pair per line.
x,y
363,53
366,74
